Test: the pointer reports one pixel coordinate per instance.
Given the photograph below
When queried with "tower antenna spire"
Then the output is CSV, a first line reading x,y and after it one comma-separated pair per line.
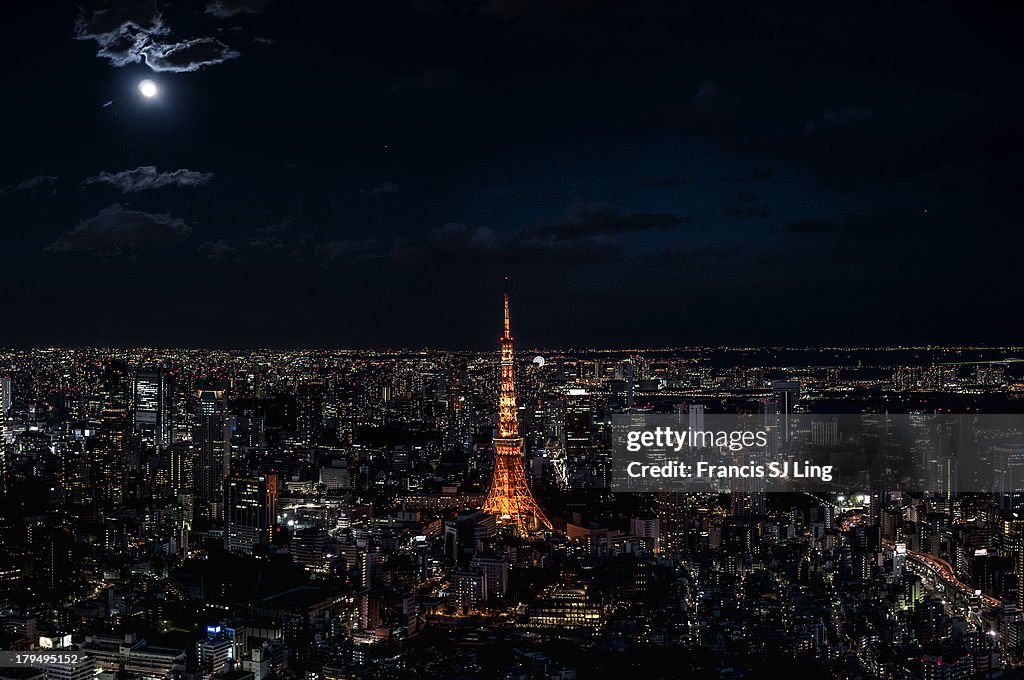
x,y
507,335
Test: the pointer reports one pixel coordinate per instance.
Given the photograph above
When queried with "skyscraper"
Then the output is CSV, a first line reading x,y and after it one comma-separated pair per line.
x,y
5,408
5,396
108,456
153,402
309,398
212,446
1008,475
250,507
509,499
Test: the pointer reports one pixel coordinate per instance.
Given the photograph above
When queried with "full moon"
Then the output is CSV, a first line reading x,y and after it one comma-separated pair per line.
x,y
147,88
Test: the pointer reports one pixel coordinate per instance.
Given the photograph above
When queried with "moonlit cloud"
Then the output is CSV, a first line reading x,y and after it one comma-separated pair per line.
x,y
136,34
352,249
225,9
148,177
121,33
383,188
188,55
274,236
217,250
116,231
29,184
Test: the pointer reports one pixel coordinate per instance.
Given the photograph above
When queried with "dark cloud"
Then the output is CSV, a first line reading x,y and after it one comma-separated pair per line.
x,y
148,177
382,188
691,253
832,120
754,175
135,33
588,237
809,226
707,95
29,184
665,182
217,250
709,111
225,9
116,231
601,222
920,134
432,79
275,236
759,211
277,227
340,250
746,205
862,233
605,24
481,246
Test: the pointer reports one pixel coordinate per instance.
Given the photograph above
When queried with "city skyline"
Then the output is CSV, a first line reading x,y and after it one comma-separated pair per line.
x,y
253,516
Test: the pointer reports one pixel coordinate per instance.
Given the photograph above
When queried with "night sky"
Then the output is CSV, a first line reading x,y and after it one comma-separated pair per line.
x,y
364,174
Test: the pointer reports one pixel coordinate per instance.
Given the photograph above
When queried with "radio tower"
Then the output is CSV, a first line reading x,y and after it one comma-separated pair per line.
x,y
509,498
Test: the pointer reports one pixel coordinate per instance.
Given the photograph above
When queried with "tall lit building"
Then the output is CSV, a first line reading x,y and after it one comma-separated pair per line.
x,y
509,499
309,398
250,507
212,446
578,422
108,456
1008,475
153,403
182,472
5,396
5,409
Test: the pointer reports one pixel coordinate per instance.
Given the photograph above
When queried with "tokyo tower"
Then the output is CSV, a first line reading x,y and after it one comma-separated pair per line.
x,y
509,498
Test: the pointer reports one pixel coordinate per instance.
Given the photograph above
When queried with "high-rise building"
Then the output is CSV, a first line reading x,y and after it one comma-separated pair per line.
x,y
182,462
250,508
1008,475
153,406
307,549
212,446
309,400
108,460
5,396
509,498
578,422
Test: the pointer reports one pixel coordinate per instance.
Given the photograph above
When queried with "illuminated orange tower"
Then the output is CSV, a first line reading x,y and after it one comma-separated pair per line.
x,y
509,498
